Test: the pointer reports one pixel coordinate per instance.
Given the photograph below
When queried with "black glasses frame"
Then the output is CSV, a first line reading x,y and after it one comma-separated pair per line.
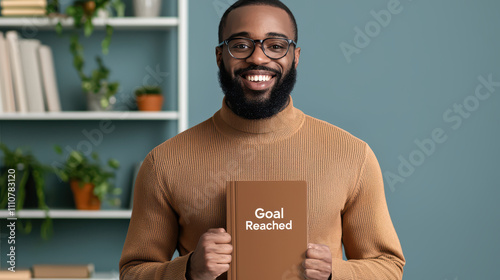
x,y
226,42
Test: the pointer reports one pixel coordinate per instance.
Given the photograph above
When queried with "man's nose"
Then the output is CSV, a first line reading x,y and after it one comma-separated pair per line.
x,y
258,56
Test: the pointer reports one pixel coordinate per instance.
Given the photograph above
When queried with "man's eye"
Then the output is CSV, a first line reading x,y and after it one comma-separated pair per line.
x,y
240,46
277,47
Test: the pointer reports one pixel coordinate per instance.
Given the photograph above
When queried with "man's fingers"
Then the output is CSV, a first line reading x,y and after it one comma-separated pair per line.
x,y
218,236
314,274
318,251
216,230
226,249
313,264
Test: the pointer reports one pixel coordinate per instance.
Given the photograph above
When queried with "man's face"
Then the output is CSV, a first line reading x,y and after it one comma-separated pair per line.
x,y
238,76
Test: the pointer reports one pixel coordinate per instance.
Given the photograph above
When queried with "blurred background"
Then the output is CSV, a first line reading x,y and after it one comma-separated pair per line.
x,y
419,81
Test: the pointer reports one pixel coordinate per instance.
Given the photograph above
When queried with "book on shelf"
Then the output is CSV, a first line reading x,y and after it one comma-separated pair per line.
x,y
267,221
17,71
17,275
48,72
27,76
32,76
23,3
62,271
23,12
6,87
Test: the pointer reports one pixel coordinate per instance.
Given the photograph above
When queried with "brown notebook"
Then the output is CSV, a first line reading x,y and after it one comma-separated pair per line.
x,y
62,271
267,221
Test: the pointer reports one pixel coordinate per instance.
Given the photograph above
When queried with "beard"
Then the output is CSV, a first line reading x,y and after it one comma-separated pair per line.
x,y
260,109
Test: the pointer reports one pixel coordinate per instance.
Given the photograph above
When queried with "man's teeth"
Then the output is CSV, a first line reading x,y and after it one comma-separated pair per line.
x,y
258,78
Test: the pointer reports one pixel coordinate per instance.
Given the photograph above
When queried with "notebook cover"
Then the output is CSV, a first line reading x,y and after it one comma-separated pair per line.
x,y
267,221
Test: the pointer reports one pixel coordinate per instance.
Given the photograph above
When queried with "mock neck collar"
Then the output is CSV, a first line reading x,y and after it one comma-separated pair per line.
x,y
279,126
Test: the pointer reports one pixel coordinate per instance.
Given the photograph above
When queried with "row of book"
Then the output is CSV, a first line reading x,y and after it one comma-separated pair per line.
x,y
50,271
23,7
27,76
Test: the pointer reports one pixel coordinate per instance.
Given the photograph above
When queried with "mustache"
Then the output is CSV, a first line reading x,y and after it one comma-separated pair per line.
x,y
256,67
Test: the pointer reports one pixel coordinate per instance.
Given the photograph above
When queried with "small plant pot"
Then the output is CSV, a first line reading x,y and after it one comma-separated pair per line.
x,y
149,102
147,8
84,196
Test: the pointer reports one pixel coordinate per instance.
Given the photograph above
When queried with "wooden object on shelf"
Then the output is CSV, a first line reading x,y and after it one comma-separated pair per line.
x,y
62,271
17,275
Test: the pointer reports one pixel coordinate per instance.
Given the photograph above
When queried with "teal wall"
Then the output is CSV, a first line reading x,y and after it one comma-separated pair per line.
x,y
394,92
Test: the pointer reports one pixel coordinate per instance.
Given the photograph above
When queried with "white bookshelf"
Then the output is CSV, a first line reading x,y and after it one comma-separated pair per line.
x,y
69,214
88,115
126,23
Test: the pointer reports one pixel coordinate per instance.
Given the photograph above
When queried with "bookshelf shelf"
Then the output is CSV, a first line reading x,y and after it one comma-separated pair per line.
x,y
125,23
87,115
70,214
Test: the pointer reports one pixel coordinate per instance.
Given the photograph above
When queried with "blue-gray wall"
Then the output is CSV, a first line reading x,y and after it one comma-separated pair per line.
x,y
393,92
398,88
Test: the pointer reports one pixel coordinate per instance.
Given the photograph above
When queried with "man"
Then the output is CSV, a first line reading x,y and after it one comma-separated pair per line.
x,y
179,200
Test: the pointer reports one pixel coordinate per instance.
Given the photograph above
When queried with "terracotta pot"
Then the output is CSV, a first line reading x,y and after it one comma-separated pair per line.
x,y
85,198
149,102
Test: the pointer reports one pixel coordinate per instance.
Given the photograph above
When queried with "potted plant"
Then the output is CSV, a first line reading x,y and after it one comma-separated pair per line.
x,y
100,92
90,181
149,98
29,186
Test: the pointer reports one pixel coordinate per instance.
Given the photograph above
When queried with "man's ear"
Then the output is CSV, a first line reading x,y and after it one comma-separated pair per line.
x,y
218,55
297,57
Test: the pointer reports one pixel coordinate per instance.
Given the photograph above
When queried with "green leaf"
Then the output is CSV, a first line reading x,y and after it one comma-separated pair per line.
x,y
88,27
58,149
104,103
113,163
59,28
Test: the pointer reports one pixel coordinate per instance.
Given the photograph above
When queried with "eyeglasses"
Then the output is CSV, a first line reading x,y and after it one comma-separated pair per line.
x,y
243,48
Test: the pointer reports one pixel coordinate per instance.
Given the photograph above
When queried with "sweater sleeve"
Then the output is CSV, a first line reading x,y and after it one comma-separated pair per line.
x,y
370,241
152,233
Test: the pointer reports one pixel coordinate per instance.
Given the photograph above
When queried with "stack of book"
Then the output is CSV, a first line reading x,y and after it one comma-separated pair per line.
x,y
27,76
62,271
23,7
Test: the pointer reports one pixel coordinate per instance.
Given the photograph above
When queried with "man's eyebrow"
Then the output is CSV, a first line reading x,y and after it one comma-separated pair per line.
x,y
275,34
239,34
268,35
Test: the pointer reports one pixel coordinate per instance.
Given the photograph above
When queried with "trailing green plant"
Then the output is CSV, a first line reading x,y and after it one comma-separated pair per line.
x,y
27,165
83,169
83,13
145,90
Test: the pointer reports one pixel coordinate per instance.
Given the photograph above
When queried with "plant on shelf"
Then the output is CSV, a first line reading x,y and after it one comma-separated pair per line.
x,y
90,181
28,191
95,85
149,98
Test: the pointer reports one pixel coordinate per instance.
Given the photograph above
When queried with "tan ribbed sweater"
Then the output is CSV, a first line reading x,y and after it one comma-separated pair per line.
x,y
180,192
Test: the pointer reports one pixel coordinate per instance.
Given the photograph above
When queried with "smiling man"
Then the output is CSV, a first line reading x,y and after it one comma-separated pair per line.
x,y
258,134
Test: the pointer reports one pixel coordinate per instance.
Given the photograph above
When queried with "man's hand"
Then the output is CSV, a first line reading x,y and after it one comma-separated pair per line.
x,y
212,255
318,262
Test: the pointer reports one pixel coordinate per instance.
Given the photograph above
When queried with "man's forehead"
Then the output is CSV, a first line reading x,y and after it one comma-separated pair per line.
x,y
258,22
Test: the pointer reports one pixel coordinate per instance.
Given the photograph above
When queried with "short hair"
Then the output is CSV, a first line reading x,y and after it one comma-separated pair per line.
x,y
243,3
